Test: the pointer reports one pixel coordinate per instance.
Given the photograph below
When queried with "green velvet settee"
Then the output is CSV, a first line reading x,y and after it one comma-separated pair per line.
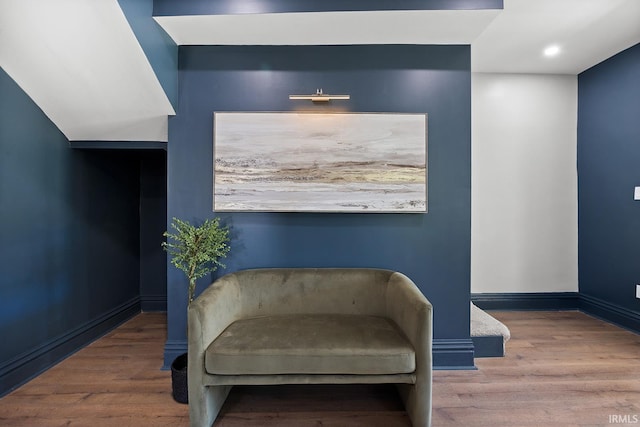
x,y
309,326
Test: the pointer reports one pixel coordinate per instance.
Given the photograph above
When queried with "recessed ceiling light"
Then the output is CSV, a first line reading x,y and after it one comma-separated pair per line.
x,y
552,50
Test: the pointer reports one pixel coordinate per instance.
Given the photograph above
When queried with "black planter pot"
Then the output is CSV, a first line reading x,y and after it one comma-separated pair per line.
x,y
179,379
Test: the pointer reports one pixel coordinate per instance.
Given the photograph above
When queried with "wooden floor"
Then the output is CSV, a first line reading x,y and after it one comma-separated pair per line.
x,y
561,369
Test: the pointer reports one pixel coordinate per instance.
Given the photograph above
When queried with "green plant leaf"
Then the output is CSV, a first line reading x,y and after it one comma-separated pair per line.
x,y
196,250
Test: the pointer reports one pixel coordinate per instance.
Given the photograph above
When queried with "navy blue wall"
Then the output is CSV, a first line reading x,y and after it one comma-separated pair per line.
x,y
160,49
223,7
153,222
608,171
69,236
433,249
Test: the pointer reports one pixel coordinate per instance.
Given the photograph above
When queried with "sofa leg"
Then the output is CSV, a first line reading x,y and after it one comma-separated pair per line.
x,y
205,406
417,402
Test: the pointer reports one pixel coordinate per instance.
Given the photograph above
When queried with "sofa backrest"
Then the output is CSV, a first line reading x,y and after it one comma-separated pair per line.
x,y
312,290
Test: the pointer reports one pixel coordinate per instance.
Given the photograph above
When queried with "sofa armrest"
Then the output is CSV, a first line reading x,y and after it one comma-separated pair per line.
x,y
413,313
208,316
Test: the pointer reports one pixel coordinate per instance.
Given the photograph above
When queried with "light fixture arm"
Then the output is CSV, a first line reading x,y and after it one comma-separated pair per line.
x,y
319,96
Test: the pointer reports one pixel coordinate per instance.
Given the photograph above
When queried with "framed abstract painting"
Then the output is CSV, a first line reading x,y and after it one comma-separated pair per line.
x,y
320,162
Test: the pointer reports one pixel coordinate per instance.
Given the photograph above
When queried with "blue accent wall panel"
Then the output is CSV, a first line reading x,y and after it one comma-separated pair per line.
x,y
69,240
153,222
433,249
160,49
223,7
608,171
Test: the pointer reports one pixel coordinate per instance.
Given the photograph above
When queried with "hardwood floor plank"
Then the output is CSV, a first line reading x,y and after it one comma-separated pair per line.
x,y
562,369
115,381
315,419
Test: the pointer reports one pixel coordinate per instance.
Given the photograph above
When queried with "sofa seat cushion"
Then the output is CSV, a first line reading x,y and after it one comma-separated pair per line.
x,y
310,344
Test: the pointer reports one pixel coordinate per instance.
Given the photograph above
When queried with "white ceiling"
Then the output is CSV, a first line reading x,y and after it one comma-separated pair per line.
x,y
586,31
502,41
80,62
330,28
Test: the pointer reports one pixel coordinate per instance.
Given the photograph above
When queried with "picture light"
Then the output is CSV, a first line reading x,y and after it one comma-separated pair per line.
x,y
319,97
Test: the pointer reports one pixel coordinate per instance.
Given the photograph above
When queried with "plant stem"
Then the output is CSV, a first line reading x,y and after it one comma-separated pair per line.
x,y
192,289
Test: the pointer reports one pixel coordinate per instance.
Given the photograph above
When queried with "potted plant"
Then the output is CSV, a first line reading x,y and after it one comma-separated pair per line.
x,y
197,252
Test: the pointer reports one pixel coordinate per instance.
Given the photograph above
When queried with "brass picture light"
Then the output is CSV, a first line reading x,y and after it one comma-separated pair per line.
x,y
319,96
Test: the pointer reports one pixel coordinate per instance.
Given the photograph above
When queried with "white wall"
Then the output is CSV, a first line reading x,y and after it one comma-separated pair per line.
x,y
524,214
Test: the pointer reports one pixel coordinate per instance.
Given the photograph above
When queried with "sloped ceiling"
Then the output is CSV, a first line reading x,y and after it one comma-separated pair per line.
x,y
81,63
